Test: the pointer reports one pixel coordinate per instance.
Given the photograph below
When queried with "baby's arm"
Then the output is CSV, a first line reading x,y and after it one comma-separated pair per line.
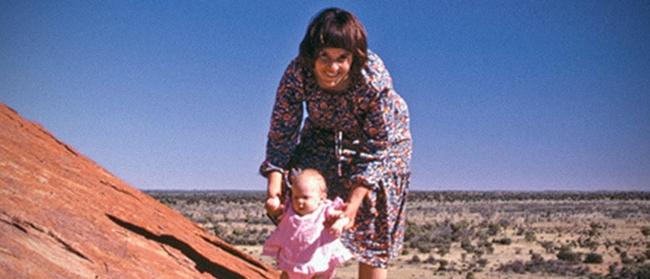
x,y
336,220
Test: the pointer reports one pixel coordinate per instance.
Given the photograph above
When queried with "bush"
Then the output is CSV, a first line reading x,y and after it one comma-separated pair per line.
x,y
567,255
515,266
645,231
422,246
442,251
589,243
548,246
625,259
530,236
503,241
493,229
443,265
593,258
415,259
482,262
466,244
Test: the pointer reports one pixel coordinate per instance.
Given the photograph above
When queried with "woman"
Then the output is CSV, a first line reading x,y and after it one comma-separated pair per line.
x,y
356,134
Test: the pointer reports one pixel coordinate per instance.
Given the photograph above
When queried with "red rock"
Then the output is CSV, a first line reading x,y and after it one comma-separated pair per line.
x,y
64,216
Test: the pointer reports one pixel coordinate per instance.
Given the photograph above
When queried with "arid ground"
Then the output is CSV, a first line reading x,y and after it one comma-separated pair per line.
x,y
474,234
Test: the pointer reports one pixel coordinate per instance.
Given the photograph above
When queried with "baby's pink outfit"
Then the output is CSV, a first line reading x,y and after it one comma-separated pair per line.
x,y
303,247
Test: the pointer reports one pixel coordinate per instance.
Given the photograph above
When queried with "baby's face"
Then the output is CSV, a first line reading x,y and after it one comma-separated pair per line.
x,y
306,198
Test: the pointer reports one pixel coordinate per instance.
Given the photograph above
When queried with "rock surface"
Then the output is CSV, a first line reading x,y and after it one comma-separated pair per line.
x,y
64,216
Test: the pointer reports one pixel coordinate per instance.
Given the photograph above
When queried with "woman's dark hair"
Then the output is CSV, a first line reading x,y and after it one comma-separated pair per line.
x,y
335,28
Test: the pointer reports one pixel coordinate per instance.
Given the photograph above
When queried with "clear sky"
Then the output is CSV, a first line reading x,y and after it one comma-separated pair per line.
x,y
503,95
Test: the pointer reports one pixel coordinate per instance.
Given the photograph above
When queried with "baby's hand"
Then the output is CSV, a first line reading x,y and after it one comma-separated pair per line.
x,y
272,203
274,207
339,225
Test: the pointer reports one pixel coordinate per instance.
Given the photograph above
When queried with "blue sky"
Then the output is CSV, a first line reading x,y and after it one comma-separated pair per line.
x,y
503,95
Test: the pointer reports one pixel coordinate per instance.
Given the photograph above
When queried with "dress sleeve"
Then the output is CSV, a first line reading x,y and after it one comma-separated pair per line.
x,y
377,102
285,120
336,205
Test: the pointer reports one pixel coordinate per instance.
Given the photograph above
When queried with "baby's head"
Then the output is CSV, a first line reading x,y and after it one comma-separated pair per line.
x,y
308,192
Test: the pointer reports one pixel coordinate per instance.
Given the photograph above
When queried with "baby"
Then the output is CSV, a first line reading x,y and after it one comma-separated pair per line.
x,y
301,245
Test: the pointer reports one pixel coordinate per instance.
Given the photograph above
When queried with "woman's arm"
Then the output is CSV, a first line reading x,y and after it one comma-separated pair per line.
x,y
283,135
375,101
286,118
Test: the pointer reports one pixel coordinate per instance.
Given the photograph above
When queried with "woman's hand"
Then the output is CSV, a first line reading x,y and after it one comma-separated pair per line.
x,y
273,205
340,224
342,220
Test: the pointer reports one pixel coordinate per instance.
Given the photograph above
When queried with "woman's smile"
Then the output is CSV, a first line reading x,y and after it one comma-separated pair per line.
x,y
332,68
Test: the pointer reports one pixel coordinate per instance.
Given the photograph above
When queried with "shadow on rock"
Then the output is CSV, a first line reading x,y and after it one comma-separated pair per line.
x,y
203,264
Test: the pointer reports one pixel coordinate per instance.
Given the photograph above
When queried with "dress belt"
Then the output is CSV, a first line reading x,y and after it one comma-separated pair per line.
x,y
346,155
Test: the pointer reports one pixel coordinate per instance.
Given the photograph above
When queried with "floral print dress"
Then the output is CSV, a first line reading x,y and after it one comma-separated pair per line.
x,y
369,127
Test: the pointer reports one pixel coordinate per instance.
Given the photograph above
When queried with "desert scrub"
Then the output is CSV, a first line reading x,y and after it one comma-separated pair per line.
x,y
427,236
630,271
242,236
539,265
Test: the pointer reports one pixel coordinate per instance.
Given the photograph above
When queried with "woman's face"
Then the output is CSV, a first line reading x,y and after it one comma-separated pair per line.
x,y
332,68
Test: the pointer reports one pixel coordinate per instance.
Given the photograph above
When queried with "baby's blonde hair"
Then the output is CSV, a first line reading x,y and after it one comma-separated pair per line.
x,y
311,174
